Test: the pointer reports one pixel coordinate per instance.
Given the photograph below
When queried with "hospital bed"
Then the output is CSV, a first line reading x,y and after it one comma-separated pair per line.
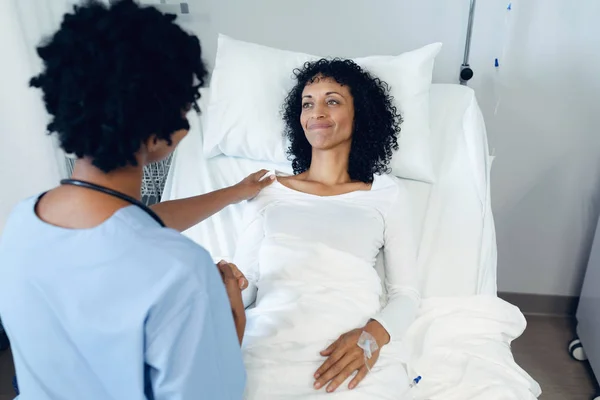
x,y
460,342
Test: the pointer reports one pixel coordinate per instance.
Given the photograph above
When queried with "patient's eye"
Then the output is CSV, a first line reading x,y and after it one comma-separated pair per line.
x,y
332,102
306,105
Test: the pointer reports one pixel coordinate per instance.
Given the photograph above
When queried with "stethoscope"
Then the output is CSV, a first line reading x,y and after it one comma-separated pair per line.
x,y
114,193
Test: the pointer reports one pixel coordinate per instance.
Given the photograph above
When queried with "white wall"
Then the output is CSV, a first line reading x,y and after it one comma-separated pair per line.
x,y
28,158
345,28
546,180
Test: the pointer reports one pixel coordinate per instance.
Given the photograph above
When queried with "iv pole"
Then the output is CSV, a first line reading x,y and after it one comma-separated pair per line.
x,y
466,72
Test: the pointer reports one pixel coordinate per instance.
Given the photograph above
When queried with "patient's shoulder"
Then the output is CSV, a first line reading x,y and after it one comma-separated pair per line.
x,y
391,193
256,205
287,180
389,183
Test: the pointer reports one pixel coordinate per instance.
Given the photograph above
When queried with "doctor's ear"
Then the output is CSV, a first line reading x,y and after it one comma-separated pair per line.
x,y
155,148
153,144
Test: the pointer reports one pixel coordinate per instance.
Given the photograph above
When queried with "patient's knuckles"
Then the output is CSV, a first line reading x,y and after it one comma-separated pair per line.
x,y
356,352
335,356
326,377
324,368
234,269
336,369
341,378
227,272
329,362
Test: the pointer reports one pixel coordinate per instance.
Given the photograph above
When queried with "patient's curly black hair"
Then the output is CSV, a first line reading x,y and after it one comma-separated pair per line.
x,y
115,75
376,119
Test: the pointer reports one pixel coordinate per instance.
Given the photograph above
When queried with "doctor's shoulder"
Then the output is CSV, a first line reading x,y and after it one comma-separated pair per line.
x,y
21,225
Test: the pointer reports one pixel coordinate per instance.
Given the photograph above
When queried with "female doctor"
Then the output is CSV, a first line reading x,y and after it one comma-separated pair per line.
x,y
102,297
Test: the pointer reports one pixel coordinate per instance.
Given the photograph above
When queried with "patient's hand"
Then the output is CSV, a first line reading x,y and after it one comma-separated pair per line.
x,y
235,282
252,185
237,274
345,357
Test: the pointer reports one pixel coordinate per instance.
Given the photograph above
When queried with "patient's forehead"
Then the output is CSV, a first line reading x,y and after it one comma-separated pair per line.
x,y
324,84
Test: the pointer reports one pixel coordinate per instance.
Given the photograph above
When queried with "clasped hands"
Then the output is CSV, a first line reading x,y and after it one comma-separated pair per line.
x,y
235,282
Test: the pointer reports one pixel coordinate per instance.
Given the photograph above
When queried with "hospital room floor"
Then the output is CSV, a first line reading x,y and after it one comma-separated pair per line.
x,y
542,351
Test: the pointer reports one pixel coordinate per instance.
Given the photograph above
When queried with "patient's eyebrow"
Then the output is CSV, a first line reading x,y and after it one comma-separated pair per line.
x,y
326,94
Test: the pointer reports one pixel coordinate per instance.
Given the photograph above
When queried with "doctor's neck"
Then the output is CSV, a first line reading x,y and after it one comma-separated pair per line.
x,y
127,180
329,167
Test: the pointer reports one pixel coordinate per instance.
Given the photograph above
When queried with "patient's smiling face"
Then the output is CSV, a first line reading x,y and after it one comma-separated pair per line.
x,y
327,113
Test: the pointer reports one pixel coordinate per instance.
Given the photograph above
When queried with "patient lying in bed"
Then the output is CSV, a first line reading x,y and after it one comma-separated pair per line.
x,y
311,242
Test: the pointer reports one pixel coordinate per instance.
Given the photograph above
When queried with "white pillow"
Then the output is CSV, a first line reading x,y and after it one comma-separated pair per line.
x,y
250,82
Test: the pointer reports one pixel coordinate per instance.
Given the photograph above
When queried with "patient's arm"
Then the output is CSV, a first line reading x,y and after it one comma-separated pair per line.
x,y
182,214
344,357
248,245
401,273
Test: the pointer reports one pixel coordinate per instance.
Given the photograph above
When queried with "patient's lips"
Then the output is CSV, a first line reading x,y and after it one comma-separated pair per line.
x,y
319,125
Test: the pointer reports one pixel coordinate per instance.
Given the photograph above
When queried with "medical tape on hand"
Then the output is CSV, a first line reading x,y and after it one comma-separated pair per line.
x,y
367,342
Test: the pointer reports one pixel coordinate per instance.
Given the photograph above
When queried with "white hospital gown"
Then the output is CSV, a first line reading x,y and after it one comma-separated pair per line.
x,y
310,261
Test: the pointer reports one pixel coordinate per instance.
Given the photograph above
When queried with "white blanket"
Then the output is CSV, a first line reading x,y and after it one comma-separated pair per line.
x,y
461,348
309,295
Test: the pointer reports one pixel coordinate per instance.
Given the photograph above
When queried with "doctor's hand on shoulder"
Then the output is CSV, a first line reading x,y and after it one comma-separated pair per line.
x,y
250,186
235,282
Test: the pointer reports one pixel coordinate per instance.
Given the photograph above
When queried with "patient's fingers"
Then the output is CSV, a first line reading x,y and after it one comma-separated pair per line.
x,y
333,358
242,281
343,375
329,350
232,277
334,370
225,271
358,378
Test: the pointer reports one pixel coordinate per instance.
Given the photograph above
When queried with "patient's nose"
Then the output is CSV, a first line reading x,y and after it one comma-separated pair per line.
x,y
319,111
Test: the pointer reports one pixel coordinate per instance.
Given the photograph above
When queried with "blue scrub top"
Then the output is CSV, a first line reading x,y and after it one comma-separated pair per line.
x,y
125,310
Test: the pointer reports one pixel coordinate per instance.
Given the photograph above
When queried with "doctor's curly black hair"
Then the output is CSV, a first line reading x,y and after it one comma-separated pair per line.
x,y
376,119
116,75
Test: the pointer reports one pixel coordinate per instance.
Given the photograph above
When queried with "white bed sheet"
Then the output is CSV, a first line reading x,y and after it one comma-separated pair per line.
x,y
457,248
461,348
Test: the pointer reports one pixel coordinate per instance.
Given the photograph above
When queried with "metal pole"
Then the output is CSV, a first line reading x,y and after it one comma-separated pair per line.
x,y
469,32
466,72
